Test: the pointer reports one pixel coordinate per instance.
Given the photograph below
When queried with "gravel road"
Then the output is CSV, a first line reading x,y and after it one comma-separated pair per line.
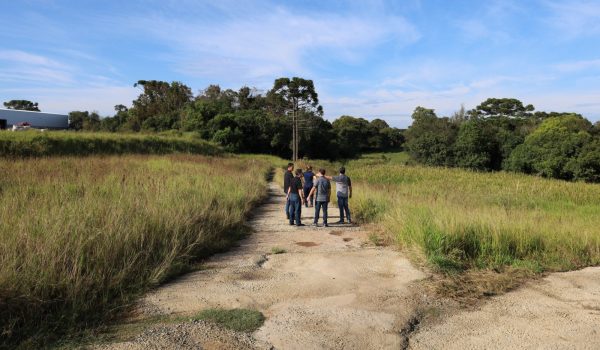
x,y
331,289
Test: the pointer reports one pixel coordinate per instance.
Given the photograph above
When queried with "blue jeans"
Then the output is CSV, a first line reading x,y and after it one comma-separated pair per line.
x,y
295,208
318,206
343,205
306,192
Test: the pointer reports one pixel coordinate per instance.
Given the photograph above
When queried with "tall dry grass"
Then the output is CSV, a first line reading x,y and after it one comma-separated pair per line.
x,y
458,219
82,237
461,219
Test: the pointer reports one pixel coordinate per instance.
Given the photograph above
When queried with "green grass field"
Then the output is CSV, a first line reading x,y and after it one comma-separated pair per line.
x,y
83,237
459,219
70,143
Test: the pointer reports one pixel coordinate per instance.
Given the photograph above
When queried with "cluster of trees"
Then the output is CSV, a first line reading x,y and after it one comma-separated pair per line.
x,y
23,105
505,134
246,120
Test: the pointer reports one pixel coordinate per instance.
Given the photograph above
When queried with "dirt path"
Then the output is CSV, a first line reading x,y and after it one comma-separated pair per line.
x,y
331,289
562,311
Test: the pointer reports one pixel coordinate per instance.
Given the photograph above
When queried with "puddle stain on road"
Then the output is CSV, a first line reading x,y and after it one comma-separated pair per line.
x,y
307,244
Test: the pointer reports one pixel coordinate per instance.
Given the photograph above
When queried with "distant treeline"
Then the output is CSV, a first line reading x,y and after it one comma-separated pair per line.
x,y
247,121
504,134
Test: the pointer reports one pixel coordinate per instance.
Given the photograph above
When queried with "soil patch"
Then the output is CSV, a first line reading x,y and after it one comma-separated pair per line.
x,y
307,244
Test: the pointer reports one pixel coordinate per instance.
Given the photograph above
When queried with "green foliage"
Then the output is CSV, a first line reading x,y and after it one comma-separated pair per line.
x,y
160,103
79,120
430,139
277,250
474,146
502,107
24,105
505,134
240,320
54,143
246,121
552,149
587,165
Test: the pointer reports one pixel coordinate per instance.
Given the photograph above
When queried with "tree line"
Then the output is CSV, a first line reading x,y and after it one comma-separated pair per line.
x,y
498,134
505,134
246,120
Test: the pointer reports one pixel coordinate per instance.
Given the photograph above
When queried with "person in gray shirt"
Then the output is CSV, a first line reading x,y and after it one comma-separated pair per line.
x,y
343,186
322,192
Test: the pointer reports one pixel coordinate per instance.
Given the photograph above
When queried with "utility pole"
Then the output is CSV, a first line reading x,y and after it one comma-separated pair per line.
x,y
294,144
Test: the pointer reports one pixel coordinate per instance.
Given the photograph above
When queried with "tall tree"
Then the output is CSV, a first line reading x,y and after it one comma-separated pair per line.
x,y
294,96
430,139
502,107
23,105
161,102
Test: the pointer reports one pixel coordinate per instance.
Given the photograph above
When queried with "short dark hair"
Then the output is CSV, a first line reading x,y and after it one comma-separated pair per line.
x,y
298,171
342,170
309,167
322,171
290,165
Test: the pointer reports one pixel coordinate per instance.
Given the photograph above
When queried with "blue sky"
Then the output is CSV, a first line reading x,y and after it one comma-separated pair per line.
x,y
367,58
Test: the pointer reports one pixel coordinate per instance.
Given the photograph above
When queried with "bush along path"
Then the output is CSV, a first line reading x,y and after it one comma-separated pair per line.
x,y
317,287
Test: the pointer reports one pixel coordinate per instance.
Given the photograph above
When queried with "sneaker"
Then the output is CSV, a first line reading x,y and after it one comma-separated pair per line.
x,y
315,224
291,224
299,225
325,225
339,222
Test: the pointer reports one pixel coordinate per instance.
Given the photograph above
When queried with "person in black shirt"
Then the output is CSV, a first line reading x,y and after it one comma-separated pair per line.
x,y
295,197
287,179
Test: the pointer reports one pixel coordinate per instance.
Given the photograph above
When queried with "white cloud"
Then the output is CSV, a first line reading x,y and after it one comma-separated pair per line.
x,y
576,66
575,18
21,57
272,43
24,67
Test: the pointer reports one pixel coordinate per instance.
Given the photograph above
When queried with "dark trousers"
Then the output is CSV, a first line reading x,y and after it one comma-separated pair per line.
x,y
306,193
287,207
318,206
295,208
343,205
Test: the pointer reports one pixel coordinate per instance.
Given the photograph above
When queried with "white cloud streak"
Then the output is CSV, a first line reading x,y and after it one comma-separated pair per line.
x,y
273,43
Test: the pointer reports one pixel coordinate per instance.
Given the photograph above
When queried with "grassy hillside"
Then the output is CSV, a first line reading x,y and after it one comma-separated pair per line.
x,y
82,237
70,143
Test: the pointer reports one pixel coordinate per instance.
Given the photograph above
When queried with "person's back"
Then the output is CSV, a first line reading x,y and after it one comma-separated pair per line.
x,y
308,178
308,184
287,180
343,187
323,187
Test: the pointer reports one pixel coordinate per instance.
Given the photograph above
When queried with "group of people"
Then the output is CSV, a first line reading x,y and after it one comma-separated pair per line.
x,y
305,188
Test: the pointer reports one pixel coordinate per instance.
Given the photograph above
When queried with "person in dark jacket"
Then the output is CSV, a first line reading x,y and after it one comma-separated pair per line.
x,y
295,197
287,179
308,185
